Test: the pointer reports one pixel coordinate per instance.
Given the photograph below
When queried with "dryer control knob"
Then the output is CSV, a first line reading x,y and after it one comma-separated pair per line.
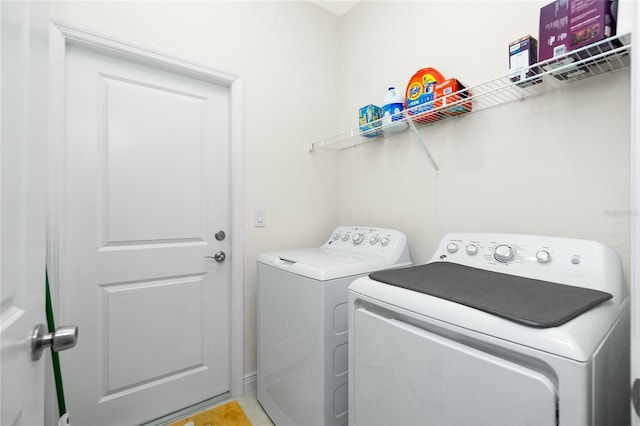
x,y
543,256
504,253
345,237
452,247
472,249
385,241
336,236
358,238
373,239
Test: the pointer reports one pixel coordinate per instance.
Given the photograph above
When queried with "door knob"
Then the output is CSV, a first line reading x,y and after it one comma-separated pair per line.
x,y
218,257
635,396
64,337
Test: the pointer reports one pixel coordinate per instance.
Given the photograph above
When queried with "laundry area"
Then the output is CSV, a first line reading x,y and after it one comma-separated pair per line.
x,y
345,212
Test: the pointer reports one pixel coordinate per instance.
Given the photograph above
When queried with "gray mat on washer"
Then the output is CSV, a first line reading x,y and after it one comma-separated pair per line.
x,y
527,301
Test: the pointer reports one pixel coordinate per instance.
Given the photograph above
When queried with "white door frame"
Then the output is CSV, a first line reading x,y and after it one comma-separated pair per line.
x,y
63,34
634,255
634,208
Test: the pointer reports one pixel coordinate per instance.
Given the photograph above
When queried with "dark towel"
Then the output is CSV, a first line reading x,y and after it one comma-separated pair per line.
x,y
527,301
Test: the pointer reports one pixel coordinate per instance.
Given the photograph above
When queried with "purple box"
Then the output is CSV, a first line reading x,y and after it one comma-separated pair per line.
x,y
590,21
567,25
554,30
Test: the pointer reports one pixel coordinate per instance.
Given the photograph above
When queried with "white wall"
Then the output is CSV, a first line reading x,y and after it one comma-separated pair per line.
x,y
554,165
551,165
287,54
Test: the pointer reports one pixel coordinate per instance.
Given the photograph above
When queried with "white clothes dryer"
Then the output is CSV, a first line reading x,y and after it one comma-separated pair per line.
x,y
302,322
497,329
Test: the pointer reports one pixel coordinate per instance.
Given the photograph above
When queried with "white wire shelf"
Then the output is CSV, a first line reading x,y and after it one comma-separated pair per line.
x,y
600,58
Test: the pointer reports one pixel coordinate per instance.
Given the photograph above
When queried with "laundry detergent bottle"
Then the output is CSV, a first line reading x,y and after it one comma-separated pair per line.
x,y
393,119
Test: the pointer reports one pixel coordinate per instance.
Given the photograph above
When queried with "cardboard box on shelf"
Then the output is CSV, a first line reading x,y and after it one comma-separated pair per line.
x,y
590,21
570,25
369,119
554,30
523,53
452,92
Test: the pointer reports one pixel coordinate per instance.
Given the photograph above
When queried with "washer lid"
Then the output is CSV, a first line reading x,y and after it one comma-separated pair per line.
x,y
324,264
576,339
323,258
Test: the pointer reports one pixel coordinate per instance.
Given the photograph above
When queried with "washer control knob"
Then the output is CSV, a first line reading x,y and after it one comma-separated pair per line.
x,y
336,236
575,260
472,249
373,239
345,237
452,247
358,238
385,241
504,253
543,256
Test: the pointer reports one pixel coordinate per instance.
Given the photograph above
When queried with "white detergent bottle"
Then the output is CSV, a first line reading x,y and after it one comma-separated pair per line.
x,y
393,119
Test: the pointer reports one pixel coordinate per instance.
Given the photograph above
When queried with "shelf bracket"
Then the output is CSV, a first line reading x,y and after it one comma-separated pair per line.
x,y
416,133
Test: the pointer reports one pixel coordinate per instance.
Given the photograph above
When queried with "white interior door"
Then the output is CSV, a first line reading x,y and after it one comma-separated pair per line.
x,y
146,189
23,126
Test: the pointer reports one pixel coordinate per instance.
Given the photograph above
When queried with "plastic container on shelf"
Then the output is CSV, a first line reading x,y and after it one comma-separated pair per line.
x,y
421,94
393,119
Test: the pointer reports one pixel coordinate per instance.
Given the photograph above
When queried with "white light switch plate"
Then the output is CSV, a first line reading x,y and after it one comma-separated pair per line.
x,y
259,218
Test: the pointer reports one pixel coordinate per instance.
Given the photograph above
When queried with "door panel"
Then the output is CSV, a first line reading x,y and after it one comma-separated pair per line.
x,y
23,127
146,188
120,335
140,156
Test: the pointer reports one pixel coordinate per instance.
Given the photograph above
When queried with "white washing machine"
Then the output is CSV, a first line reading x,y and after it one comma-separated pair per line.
x,y
496,329
302,322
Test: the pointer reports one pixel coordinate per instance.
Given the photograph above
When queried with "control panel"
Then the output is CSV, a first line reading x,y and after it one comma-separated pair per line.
x,y
366,240
561,260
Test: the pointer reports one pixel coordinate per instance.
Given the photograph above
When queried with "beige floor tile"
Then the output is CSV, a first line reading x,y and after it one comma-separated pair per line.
x,y
254,411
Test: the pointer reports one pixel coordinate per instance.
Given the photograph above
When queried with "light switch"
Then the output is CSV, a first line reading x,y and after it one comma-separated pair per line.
x,y
259,218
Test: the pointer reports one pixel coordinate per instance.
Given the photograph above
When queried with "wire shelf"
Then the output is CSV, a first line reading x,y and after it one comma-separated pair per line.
x,y
600,58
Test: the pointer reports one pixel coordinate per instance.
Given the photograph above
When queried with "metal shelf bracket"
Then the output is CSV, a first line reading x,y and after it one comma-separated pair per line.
x,y
418,136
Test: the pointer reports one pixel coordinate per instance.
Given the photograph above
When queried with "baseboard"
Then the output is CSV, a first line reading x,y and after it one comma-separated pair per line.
x,y
250,383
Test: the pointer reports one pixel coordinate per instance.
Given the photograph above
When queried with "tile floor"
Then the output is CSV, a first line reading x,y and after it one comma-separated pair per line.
x,y
249,404
254,411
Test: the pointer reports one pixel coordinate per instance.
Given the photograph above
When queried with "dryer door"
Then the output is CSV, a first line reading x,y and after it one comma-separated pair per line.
x,y
404,375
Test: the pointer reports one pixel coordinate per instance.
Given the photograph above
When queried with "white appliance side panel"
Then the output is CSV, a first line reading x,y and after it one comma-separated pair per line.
x,y
611,372
290,352
302,348
429,380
